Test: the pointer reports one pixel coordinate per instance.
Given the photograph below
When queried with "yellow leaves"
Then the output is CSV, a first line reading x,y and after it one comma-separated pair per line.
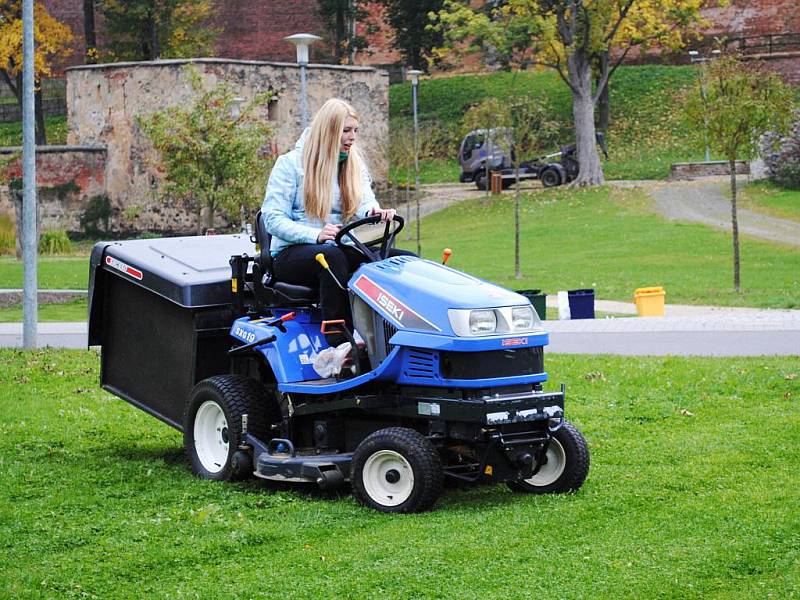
x,y
51,38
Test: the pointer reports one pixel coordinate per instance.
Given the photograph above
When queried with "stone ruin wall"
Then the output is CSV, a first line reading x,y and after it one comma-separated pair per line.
x,y
67,177
104,101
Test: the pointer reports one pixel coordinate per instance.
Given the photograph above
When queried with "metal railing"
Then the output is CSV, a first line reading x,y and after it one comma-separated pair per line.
x,y
770,43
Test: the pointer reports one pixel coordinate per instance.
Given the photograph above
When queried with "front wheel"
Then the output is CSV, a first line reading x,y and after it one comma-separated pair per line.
x,y
566,466
550,178
397,470
212,424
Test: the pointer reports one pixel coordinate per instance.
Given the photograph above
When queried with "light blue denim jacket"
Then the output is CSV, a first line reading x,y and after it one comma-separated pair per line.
x,y
284,211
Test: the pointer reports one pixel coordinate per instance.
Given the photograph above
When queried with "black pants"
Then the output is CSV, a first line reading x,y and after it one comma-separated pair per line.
x,y
296,264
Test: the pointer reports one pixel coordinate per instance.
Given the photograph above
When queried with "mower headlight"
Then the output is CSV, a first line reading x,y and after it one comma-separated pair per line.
x,y
522,318
482,322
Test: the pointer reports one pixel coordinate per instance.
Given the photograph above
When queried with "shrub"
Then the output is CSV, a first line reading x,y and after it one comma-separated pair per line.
x,y
94,219
781,155
54,242
8,236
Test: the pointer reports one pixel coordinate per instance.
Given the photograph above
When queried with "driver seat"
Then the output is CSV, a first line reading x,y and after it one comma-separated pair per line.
x,y
267,291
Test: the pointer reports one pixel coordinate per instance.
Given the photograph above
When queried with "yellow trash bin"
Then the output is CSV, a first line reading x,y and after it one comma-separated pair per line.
x,y
649,301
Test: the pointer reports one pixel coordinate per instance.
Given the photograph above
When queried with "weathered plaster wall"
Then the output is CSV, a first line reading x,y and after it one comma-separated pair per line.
x,y
66,176
105,100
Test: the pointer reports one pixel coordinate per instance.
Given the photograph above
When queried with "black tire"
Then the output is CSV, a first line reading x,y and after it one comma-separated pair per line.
x,y
481,181
212,440
567,465
396,470
550,178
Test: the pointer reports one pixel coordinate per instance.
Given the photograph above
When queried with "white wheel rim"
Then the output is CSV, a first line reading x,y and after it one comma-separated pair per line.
x,y
211,436
556,463
388,478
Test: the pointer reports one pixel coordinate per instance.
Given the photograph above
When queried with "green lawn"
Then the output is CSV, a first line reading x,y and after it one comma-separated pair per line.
x,y
54,273
687,497
769,198
430,171
55,128
68,311
608,239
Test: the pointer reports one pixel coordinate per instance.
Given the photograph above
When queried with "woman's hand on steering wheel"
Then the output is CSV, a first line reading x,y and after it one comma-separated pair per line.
x,y
385,241
387,214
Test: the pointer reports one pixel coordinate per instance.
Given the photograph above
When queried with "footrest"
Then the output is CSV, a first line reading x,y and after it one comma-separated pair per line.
x,y
326,470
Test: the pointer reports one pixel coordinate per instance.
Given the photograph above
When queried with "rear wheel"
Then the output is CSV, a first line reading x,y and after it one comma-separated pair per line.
x,y
212,424
566,467
397,470
550,178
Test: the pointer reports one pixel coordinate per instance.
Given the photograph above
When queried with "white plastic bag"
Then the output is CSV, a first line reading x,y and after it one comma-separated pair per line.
x,y
329,362
563,306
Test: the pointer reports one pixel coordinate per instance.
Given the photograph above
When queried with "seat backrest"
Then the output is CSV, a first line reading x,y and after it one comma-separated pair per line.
x,y
263,241
267,291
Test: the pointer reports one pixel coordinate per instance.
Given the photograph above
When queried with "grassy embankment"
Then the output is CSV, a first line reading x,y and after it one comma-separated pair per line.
x,y
55,127
646,134
687,497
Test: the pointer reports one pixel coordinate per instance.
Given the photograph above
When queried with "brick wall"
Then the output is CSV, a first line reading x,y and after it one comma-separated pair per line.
x,y
66,177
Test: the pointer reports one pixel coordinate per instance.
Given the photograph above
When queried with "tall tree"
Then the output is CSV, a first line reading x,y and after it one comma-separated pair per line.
x,y
341,17
732,104
51,38
570,36
151,29
412,34
212,150
89,36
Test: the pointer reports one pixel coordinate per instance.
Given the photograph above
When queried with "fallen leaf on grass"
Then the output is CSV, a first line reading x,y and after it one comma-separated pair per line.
x,y
790,376
686,413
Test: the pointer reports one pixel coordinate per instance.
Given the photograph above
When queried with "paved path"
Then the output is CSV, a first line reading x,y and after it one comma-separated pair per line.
x,y
689,331
707,202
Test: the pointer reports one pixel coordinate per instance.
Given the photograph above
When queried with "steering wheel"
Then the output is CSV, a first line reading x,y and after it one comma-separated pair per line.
x,y
368,249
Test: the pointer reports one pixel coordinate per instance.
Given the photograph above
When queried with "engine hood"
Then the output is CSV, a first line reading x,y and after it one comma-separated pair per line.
x,y
416,294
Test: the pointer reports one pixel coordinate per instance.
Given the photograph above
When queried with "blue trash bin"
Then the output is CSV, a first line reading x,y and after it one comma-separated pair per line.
x,y
581,304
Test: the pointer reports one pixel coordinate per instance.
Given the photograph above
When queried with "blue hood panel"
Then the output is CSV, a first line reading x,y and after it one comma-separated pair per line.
x,y
416,294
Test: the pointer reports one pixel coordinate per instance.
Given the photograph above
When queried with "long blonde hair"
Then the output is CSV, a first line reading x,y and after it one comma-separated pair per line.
x,y
321,162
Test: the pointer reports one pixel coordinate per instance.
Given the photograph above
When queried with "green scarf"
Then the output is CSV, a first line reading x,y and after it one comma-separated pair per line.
x,y
343,156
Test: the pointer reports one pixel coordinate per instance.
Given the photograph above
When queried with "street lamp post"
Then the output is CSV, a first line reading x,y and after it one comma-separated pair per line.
x,y
301,42
695,57
414,74
30,308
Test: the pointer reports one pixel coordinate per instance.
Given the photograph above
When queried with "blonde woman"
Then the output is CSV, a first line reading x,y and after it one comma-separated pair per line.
x,y
312,191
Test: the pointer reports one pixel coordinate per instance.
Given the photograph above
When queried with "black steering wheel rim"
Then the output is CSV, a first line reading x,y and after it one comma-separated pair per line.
x,y
366,248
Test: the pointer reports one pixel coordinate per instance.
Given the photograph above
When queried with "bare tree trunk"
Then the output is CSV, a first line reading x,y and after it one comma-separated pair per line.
x,y
735,228
152,23
419,245
408,206
38,109
580,74
603,102
517,271
89,32
341,9
199,215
